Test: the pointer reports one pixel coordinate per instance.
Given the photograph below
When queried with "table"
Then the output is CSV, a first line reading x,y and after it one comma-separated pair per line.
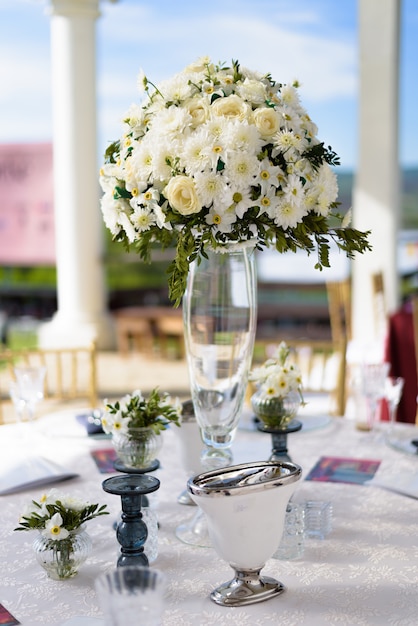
x,y
365,572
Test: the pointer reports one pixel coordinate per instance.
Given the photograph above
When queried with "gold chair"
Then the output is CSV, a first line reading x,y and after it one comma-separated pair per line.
x,y
339,307
71,373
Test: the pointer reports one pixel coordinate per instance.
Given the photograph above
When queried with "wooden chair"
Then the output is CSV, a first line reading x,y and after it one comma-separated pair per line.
x,y
133,331
71,373
170,336
322,364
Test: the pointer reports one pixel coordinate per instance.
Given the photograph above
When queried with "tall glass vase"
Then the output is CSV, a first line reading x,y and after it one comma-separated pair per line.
x,y
220,311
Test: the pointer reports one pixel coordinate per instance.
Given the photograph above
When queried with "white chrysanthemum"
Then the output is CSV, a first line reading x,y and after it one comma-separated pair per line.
x,y
347,219
112,210
212,188
134,119
132,182
309,127
194,157
176,89
326,186
243,136
170,122
241,169
290,96
285,141
109,176
222,220
216,127
141,160
288,214
142,219
252,90
127,226
164,159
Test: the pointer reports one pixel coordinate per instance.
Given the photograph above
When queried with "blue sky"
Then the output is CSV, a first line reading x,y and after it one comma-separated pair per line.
x,y
312,40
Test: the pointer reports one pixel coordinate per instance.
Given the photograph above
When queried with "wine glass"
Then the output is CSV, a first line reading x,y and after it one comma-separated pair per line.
x,y
28,390
393,392
373,377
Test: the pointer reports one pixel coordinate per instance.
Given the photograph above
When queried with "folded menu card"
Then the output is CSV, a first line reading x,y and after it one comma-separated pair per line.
x,y
343,470
6,618
30,472
105,460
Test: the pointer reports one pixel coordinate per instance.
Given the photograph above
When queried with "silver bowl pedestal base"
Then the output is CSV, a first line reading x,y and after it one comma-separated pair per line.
x,y
248,587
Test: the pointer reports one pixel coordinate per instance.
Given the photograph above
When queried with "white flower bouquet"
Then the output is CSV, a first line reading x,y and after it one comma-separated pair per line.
x,y
57,515
135,411
276,377
221,155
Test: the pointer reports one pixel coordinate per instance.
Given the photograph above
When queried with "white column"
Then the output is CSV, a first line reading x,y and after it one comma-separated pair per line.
x,y
82,313
376,199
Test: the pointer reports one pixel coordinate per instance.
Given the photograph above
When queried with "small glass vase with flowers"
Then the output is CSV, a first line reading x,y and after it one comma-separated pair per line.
x,y
278,398
63,543
136,424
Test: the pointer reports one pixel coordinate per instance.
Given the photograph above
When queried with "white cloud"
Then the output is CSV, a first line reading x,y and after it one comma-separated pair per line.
x,y
326,66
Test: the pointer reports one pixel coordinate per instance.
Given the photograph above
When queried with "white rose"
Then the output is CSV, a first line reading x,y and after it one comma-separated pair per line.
x,y
181,194
231,106
267,121
198,110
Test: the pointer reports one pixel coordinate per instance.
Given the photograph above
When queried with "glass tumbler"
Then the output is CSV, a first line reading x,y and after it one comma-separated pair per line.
x,y
132,595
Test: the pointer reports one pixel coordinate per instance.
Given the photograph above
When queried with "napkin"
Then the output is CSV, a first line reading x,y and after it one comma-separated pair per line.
x,y
406,484
30,472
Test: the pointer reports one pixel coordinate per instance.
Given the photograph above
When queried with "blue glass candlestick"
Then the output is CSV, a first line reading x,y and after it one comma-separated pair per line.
x,y
279,450
131,531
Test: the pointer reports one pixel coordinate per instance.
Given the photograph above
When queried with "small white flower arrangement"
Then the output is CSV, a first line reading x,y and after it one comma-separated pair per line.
x,y
277,377
220,155
135,411
57,515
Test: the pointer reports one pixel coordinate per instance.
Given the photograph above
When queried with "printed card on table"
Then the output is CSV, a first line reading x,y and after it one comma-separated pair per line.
x,y
105,460
343,470
6,618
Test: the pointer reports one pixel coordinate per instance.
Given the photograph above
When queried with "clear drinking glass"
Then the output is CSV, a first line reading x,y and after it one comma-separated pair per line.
x,y
219,310
373,377
28,390
132,595
393,393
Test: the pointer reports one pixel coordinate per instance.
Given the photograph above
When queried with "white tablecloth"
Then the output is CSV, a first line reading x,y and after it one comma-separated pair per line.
x,y
364,573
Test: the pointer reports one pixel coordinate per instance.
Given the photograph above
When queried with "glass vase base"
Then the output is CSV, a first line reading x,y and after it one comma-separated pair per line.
x,y
121,467
243,590
195,532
